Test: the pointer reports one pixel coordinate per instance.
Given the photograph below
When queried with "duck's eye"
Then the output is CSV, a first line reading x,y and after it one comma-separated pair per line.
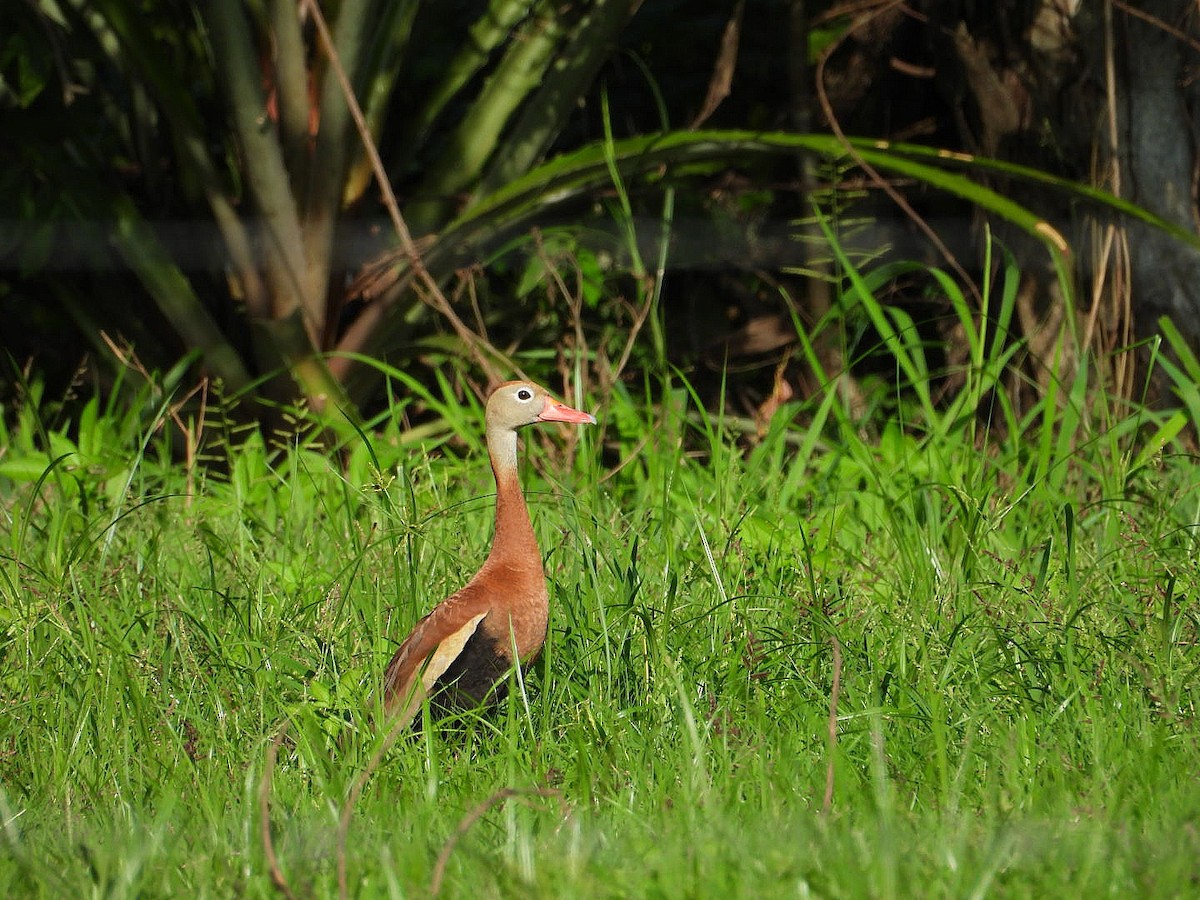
x,y
524,394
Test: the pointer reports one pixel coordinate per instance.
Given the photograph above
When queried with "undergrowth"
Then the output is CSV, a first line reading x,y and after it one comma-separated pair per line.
x,y
1002,621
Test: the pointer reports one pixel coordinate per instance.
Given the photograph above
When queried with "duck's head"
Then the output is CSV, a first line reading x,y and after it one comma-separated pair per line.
x,y
516,404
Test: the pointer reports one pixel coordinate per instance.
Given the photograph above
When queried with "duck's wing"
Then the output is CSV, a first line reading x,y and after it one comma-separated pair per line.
x,y
434,644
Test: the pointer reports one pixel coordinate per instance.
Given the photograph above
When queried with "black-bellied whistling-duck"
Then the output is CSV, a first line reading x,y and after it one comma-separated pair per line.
x,y
460,652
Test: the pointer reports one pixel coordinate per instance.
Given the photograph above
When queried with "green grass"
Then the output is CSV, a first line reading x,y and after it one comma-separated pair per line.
x,y
1017,627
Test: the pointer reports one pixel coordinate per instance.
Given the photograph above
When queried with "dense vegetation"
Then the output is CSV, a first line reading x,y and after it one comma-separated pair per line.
x,y
878,578
192,182
855,655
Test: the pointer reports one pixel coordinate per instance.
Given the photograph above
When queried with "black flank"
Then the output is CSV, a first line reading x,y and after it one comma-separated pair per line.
x,y
475,676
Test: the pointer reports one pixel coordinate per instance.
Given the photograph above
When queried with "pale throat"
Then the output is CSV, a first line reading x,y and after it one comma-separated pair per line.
x,y
513,541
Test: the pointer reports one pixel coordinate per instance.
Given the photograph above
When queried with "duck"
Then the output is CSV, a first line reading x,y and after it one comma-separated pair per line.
x,y
460,653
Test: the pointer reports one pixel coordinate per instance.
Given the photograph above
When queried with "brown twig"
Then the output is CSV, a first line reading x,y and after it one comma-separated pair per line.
x,y
432,294
192,434
464,825
873,10
278,879
574,301
1157,23
721,82
1113,267
834,691
639,319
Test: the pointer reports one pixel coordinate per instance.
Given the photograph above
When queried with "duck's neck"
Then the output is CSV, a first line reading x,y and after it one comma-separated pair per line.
x,y
514,543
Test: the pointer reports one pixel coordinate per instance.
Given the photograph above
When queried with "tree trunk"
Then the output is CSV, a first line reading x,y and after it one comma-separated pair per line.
x,y
1158,160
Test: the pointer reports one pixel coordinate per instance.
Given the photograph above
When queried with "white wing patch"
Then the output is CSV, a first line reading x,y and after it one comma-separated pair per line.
x,y
447,651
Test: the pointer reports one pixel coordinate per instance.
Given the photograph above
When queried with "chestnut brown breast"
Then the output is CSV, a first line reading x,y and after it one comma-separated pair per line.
x,y
461,651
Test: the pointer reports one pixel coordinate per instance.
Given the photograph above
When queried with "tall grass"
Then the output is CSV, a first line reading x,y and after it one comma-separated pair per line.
x,y
1014,615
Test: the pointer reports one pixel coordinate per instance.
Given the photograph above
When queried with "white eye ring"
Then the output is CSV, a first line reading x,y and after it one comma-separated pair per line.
x,y
524,394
